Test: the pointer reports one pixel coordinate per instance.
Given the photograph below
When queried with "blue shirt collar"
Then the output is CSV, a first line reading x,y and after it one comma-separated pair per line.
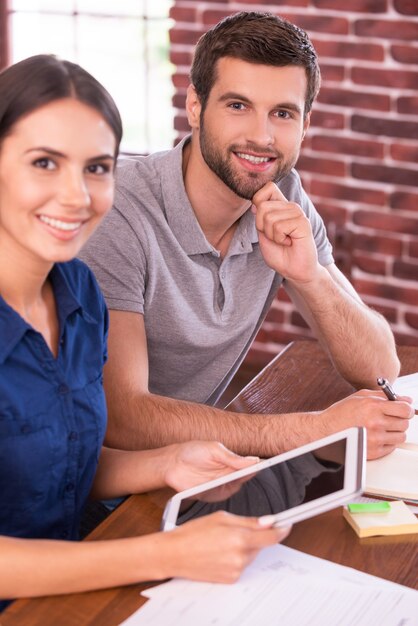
x,y
13,326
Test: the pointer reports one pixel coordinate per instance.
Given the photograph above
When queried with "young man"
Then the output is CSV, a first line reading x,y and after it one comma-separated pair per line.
x,y
199,241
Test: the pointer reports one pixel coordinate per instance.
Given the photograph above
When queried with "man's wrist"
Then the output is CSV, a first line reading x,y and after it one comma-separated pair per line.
x,y
314,284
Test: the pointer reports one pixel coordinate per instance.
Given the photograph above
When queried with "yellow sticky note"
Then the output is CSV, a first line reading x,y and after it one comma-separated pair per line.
x,y
398,521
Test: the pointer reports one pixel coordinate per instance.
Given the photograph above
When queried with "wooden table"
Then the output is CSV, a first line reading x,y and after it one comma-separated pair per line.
x,y
300,378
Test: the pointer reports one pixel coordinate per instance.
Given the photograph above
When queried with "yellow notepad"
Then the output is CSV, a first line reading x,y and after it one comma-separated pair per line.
x,y
398,521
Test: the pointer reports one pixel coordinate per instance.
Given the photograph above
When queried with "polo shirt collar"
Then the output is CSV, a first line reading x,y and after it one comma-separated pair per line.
x,y
13,327
181,217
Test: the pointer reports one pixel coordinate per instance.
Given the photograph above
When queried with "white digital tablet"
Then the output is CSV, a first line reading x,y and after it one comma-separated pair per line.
x,y
293,486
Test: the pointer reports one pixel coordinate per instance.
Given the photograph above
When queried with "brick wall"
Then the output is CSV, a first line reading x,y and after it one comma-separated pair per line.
x,y
359,163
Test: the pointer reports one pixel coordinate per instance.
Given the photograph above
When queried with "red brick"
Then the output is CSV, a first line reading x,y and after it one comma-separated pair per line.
x,y
394,79
386,221
181,80
408,271
213,16
181,123
349,98
275,315
404,152
179,100
388,291
412,319
297,320
331,167
408,105
327,119
348,192
385,127
333,73
406,7
183,14
347,145
405,54
348,50
402,339
387,29
360,6
388,312
404,200
388,246
333,216
384,174
319,23
282,296
277,3
185,35
413,249
369,264
181,57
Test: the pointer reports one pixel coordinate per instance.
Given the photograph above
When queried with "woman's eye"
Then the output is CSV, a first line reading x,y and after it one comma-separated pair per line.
x,y
98,168
44,163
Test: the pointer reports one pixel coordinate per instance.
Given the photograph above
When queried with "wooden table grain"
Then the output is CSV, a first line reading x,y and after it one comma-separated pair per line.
x,y
300,378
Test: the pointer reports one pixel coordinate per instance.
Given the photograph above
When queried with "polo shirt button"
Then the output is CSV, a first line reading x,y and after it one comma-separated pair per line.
x,y
64,534
63,389
69,487
73,436
25,429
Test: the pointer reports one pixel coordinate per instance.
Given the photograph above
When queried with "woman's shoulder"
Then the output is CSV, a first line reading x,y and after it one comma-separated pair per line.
x,y
80,280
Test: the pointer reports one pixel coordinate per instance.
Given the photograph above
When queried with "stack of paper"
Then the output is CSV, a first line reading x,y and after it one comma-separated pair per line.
x,y
399,520
286,587
395,475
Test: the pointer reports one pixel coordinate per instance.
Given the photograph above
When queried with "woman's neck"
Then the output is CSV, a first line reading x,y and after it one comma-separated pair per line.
x,y
25,287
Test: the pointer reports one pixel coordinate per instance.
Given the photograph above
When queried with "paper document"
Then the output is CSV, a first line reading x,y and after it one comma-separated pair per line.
x,y
282,586
408,386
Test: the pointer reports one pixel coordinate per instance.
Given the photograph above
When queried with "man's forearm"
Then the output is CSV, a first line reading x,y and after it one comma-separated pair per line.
x,y
149,421
358,339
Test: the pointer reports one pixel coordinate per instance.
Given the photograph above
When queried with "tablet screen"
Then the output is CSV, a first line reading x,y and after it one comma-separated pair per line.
x,y
280,487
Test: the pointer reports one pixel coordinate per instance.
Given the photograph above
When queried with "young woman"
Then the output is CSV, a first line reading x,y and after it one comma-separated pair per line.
x,y
59,138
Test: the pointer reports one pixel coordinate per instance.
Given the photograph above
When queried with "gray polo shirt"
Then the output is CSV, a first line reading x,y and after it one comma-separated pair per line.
x,y
201,312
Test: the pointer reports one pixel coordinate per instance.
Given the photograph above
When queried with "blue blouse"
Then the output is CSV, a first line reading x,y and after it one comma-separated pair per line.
x,y
52,411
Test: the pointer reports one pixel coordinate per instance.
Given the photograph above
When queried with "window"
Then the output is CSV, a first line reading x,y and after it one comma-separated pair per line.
x,y
124,44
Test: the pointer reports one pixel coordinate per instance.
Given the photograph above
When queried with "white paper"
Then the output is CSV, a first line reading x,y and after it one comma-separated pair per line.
x,y
408,386
282,586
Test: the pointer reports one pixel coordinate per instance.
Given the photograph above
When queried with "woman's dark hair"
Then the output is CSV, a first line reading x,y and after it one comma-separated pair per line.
x,y
41,79
254,37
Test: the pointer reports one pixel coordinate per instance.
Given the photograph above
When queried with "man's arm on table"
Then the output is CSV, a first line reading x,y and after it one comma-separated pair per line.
x,y
358,340
139,419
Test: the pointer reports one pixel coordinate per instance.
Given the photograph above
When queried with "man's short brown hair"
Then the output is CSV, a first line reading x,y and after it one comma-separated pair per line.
x,y
254,37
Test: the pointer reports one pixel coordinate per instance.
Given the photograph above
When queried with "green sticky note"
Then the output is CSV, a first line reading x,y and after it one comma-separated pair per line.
x,y
369,507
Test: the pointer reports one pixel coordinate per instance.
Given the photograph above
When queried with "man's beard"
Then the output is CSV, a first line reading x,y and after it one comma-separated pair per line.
x,y
245,184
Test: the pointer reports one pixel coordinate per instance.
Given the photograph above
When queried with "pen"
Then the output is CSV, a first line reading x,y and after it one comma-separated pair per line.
x,y
387,389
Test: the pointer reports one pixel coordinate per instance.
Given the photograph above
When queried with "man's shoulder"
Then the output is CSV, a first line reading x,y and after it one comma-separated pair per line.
x,y
142,180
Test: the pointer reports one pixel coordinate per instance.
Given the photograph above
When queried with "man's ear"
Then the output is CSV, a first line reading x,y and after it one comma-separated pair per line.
x,y
193,107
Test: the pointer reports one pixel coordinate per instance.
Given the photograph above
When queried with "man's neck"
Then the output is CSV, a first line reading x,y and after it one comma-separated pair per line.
x,y
216,207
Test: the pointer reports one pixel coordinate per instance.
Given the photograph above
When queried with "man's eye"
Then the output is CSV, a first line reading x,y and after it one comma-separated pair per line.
x,y
283,114
44,163
237,106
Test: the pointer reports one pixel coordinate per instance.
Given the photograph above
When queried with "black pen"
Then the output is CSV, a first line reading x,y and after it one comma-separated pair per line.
x,y
387,389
